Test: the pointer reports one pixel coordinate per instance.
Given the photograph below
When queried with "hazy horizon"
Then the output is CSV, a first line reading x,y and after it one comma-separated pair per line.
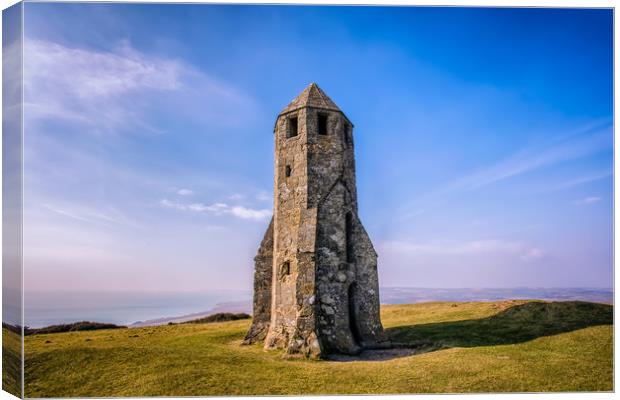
x,y
127,308
483,141
381,286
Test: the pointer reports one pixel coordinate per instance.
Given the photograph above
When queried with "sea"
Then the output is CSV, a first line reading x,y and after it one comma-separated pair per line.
x,y
121,308
140,308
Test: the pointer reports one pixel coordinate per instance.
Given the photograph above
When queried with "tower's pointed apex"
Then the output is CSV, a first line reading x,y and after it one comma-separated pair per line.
x,y
311,96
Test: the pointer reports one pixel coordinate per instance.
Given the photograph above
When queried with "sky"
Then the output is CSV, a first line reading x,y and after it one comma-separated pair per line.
x,y
483,140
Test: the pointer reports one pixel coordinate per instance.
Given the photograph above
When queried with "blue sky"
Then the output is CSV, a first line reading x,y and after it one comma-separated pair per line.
x,y
483,140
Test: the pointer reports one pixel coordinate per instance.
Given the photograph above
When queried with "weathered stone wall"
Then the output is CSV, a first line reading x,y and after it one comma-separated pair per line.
x,y
329,156
366,290
335,275
263,267
293,316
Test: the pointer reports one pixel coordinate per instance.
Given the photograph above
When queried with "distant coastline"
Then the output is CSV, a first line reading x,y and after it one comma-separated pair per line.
x,y
402,295
227,307
134,310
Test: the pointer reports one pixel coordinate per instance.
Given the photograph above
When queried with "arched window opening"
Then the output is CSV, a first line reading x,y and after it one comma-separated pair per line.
x,y
285,270
322,124
292,127
346,132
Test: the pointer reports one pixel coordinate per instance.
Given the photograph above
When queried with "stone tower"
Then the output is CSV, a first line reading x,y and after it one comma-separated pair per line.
x,y
316,288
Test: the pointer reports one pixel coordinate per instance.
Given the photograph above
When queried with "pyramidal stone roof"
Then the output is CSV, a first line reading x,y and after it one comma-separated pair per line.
x,y
312,96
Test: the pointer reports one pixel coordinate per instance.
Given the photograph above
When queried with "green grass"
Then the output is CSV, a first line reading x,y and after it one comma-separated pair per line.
x,y
11,362
512,346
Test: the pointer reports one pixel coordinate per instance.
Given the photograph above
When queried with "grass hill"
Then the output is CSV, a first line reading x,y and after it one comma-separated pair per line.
x,y
219,317
73,327
505,346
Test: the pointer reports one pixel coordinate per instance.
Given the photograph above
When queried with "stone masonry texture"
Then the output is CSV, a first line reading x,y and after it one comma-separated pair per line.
x,y
316,288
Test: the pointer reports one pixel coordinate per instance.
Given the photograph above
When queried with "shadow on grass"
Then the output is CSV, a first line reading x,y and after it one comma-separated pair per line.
x,y
516,324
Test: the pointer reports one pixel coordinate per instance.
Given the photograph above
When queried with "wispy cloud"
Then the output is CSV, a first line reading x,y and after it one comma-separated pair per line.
x,y
12,85
531,159
112,91
475,247
248,213
583,179
587,201
91,216
263,195
582,142
533,254
92,87
218,209
185,192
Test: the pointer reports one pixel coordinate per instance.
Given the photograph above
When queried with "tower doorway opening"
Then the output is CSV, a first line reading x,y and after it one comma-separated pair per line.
x,y
352,292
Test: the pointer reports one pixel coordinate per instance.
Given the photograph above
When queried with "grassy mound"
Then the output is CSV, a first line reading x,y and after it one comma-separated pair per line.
x,y
73,327
507,346
219,317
